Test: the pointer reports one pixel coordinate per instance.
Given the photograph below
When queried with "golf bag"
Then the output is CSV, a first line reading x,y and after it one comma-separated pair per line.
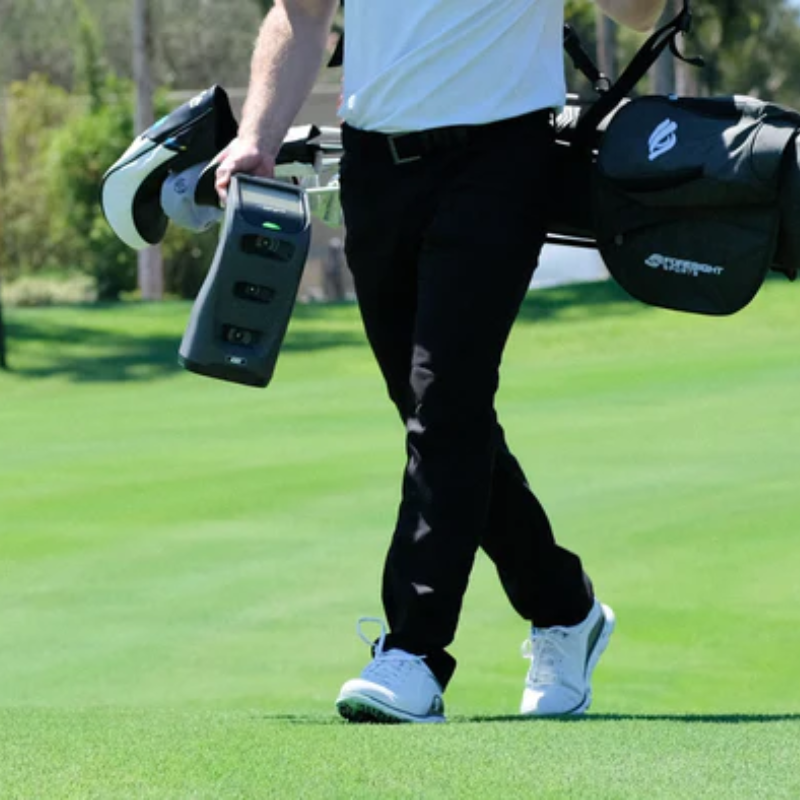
x,y
690,201
690,198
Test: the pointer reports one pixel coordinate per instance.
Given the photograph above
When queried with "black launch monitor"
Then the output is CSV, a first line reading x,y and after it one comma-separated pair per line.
x,y
241,314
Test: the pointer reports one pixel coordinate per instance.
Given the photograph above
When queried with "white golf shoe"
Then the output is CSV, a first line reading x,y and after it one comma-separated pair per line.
x,y
559,680
395,686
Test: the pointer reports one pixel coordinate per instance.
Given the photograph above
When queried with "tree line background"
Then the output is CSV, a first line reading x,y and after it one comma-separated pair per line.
x,y
68,110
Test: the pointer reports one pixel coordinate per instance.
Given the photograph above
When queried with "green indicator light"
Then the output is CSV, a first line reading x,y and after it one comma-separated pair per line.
x,y
273,226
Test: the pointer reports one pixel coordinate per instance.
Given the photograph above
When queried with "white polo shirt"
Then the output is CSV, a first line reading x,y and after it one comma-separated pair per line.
x,y
416,64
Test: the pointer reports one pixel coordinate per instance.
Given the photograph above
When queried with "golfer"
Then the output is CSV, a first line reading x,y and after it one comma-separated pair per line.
x,y
442,99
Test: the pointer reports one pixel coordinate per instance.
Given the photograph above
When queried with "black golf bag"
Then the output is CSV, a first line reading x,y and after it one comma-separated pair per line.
x,y
690,201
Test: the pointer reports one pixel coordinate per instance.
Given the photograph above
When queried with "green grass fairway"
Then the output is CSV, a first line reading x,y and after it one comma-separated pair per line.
x,y
182,561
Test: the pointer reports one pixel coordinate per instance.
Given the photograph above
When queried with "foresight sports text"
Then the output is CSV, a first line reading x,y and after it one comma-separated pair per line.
x,y
681,266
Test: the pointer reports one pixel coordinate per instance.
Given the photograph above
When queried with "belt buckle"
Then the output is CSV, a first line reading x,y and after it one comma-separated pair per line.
x,y
396,157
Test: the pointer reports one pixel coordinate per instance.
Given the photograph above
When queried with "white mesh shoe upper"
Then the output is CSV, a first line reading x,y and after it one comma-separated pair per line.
x,y
562,661
394,684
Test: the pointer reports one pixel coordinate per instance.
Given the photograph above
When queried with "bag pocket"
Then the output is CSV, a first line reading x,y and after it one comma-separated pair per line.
x,y
709,261
685,199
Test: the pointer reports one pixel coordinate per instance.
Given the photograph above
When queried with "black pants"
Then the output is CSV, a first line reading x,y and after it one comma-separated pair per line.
x,y
442,247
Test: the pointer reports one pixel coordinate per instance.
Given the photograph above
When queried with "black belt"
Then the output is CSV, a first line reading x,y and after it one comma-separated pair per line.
x,y
403,148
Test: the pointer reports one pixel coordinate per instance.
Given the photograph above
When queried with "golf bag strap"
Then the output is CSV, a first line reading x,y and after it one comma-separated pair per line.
x,y
647,55
582,61
337,57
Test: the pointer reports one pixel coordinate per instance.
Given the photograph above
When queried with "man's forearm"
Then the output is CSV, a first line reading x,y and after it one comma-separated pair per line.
x,y
286,61
641,15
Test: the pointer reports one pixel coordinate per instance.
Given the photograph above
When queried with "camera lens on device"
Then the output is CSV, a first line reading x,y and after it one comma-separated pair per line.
x,y
254,292
237,335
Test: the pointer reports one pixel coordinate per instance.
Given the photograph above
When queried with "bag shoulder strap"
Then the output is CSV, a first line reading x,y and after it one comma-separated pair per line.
x,y
646,56
337,57
582,61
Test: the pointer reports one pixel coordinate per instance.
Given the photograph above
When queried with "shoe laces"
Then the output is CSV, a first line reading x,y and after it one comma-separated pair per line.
x,y
545,649
388,667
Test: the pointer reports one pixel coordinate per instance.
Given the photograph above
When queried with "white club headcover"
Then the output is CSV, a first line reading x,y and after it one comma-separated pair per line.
x,y
177,201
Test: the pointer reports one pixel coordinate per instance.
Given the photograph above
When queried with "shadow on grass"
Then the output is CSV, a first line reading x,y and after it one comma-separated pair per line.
x,y
86,354
302,719
49,346
304,339
587,299
100,350
714,719
708,719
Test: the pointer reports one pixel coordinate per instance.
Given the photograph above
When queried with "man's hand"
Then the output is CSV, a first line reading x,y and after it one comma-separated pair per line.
x,y
641,15
241,155
286,59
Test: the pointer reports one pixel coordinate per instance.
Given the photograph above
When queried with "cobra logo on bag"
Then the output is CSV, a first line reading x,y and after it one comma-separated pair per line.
x,y
663,139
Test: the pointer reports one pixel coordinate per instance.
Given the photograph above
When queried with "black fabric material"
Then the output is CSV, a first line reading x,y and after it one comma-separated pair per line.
x,y
337,57
301,147
581,126
645,57
570,211
787,257
686,199
197,130
442,250
582,61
